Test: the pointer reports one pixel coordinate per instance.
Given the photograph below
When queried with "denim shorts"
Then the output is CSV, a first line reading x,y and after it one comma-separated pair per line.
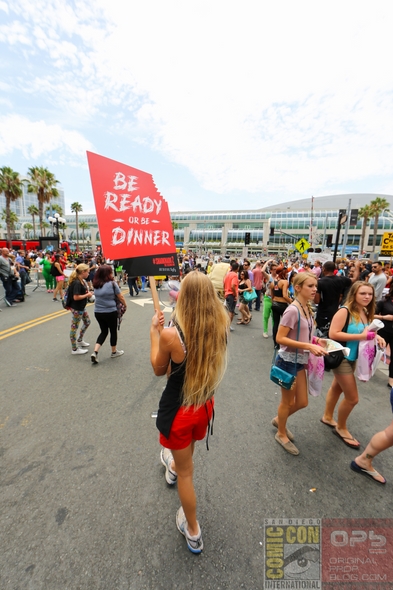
x,y
291,368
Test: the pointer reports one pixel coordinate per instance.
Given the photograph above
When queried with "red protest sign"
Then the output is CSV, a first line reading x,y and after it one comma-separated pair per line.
x,y
133,218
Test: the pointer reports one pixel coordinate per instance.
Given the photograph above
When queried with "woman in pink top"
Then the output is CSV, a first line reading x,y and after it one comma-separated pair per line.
x,y
293,355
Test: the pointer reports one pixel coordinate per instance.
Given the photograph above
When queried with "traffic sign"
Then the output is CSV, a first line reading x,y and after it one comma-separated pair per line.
x,y
387,244
302,245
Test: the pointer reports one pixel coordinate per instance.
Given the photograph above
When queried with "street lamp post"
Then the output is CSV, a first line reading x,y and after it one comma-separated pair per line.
x,y
55,221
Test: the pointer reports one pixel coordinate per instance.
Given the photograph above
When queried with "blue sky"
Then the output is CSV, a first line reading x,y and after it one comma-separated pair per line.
x,y
226,104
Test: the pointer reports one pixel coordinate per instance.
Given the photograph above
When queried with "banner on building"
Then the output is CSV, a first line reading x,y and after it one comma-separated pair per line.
x,y
133,218
387,244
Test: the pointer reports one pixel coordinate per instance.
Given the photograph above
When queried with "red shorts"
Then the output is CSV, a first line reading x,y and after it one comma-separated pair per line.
x,y
189,424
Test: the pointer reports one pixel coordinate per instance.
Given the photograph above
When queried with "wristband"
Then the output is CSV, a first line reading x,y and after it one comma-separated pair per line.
x,y
370,335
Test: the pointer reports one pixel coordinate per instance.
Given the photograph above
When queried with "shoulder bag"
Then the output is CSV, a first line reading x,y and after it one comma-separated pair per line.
x,y
281,377
249,295
334,359
121,308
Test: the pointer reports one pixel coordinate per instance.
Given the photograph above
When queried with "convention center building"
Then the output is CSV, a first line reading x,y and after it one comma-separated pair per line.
x,y
273,229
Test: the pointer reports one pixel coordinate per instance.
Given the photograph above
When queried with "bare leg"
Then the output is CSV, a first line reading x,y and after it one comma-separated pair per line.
x,y
332,398
380,442
351,398
184,467
292,401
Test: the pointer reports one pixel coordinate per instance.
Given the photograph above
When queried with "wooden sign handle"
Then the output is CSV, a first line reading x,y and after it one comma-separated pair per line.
x,y
154,294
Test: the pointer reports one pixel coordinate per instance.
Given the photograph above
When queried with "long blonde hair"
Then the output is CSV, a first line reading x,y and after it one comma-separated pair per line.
x,y
204,322
77,272
352,306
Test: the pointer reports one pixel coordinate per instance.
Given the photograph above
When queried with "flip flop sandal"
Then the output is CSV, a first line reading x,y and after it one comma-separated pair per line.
x,y
371,474
345,439
327,424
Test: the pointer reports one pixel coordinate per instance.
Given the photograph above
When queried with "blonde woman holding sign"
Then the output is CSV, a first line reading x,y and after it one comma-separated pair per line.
x,y
193,354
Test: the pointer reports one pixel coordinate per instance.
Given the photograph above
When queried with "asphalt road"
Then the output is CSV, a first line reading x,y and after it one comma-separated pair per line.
x,y
84,503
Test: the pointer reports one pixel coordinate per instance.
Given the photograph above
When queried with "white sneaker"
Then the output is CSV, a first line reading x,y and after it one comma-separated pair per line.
x,y
79,351
265,335
166,459
195,544
117,353
83,343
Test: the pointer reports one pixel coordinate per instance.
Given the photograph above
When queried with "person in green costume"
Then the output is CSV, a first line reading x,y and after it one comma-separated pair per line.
x,y
49,279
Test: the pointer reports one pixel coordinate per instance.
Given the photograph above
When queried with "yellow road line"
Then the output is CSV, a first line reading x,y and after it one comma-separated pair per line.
x,y
31,325
51,315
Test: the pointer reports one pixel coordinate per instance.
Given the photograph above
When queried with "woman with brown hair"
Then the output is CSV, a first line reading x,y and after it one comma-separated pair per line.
x,y
57,272
192,351
244,286
107,293
280,298
349,325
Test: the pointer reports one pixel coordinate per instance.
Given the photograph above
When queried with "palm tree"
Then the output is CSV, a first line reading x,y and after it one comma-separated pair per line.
x,y
11,220
42,182
365,213
377,206
76,208
55,208
83,225
27,227
33,211
11,186
44,225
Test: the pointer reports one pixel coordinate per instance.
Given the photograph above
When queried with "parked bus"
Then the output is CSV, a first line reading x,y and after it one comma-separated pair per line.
x,y
32,244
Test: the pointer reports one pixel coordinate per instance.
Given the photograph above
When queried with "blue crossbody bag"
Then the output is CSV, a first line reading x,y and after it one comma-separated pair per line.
x,y
281,377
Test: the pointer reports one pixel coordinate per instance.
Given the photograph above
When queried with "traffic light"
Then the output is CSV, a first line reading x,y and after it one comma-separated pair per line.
x,y
329,240
272,231
247,238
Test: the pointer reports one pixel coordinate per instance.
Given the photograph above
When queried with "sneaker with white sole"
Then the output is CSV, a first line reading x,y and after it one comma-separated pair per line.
x,y
117,353
195,544
83,343
166,459
79,351
265,335
94,358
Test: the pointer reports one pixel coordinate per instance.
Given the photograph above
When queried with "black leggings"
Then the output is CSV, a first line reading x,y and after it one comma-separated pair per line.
x,y
278,308
107,322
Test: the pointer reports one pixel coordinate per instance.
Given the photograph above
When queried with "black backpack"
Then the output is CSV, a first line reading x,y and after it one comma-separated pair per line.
x,y
53,270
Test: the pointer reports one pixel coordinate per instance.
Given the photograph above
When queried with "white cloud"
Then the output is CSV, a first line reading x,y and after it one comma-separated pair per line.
x,y
289,97
36,139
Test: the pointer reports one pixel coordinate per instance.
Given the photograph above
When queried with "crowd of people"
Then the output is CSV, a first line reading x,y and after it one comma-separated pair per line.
x,y
308,304
305,304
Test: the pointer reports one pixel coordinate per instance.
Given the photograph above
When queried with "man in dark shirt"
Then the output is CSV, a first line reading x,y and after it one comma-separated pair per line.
x,y
332,289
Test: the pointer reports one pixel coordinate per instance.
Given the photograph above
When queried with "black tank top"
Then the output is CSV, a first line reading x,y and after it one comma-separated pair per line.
x,y
171,399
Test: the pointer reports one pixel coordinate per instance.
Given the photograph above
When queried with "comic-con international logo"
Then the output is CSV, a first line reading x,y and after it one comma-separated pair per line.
x,y
292,553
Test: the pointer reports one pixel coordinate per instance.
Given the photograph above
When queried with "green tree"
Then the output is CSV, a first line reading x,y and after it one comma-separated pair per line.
x,y
11,186
27,227
377,206
365,213
44,225
83,225
43,183
33,211
76,208
54,208
11,219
